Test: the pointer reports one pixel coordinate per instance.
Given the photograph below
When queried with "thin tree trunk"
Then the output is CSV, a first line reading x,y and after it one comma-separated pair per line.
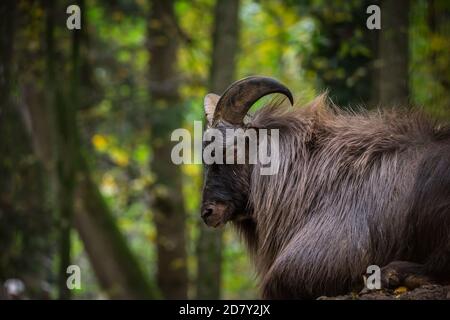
x,y
166,115
394,53
225,45
62,112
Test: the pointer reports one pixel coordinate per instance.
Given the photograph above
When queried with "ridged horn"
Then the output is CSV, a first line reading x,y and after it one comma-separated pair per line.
x,y
238,98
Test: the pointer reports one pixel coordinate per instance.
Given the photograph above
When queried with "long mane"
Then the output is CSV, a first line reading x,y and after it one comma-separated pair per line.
x,y
346,166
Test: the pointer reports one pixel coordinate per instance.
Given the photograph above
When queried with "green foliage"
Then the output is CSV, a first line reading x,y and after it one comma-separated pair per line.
x,y
430,61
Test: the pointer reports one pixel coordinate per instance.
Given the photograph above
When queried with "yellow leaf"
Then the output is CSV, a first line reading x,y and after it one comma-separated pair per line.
x,y
120,157
100,142
400,290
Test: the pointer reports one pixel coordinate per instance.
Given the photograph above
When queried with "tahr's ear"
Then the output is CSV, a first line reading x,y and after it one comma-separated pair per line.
x,y
209,104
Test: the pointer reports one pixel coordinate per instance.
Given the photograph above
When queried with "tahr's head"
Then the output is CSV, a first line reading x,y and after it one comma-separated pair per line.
x,y
226,186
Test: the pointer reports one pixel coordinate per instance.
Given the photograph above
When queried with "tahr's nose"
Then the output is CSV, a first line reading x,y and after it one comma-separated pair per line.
x,y
206,213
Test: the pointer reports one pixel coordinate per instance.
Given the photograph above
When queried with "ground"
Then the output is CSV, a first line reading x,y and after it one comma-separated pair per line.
x,y
426,292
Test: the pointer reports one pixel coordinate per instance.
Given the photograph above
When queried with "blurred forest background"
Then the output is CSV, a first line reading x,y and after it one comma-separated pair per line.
x,y
86,116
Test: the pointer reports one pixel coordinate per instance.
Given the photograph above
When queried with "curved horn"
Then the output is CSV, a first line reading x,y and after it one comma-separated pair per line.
x,y
235,102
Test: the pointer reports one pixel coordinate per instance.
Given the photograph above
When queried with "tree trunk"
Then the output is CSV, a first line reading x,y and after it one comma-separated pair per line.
x,y
225,45
394,53
25,237
166,115
7,28
117,270
63,113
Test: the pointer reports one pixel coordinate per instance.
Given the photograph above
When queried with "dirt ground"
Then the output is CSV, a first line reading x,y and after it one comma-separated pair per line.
x,y
426,292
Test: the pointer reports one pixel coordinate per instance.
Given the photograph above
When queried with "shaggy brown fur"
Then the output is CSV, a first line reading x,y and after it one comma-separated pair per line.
x,y
353,190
